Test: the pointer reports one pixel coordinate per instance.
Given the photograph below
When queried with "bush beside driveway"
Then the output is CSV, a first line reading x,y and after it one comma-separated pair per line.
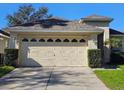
x,y
5,69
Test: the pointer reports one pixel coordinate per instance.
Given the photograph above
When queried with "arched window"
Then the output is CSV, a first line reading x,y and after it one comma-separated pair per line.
x,y
24,40
33,40
41,40
82,40
49,40
65,40
74,40
58,40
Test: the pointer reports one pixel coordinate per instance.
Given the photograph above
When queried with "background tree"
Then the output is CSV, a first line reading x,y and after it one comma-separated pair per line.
x,y
26,14
114,42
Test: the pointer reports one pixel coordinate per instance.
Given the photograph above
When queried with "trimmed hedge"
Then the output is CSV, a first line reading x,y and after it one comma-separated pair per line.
x,y
11,56
94,58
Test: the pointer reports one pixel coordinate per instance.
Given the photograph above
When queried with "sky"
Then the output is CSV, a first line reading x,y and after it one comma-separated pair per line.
x,y
72,11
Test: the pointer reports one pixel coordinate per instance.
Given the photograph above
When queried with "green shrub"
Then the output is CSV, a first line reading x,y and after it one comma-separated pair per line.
x,y
5,69
94,58
11,56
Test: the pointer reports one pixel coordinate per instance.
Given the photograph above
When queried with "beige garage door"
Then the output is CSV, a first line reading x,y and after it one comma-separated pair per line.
x,y
54,53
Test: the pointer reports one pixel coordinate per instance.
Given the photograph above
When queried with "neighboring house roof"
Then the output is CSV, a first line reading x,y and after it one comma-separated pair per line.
x,y
53,25
96,18
4,34
115,32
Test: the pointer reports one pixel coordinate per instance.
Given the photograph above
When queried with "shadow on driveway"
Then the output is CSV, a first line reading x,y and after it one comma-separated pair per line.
x,y
52,78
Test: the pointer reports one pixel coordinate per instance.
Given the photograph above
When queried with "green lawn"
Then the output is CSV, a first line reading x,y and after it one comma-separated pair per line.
x,y
5,69
113,79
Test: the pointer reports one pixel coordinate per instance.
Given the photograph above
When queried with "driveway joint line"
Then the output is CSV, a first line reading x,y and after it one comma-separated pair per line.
x,y
49,78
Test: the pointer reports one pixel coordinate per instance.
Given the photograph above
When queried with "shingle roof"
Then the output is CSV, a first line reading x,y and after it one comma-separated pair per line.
x,y
53,25
96,18
115,32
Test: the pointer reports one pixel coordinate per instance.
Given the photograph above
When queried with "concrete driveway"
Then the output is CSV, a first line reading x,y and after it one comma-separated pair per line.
x,y
52,78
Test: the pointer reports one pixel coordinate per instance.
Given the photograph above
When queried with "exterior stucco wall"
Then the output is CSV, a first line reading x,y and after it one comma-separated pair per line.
x,y
92,42
13,41
106,37
3,44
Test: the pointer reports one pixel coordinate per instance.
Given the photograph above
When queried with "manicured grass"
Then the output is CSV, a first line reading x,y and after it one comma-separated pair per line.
x,y
113,79
5,69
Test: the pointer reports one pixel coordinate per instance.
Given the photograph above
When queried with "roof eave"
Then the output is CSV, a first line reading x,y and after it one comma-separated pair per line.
x,y
96,20
90,32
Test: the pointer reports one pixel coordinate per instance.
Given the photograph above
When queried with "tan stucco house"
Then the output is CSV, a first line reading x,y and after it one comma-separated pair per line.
x,y
4,37
59,42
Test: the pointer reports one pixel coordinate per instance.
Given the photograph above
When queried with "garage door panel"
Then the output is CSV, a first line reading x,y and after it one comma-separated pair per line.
x,y
43,52
42,55
53,54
